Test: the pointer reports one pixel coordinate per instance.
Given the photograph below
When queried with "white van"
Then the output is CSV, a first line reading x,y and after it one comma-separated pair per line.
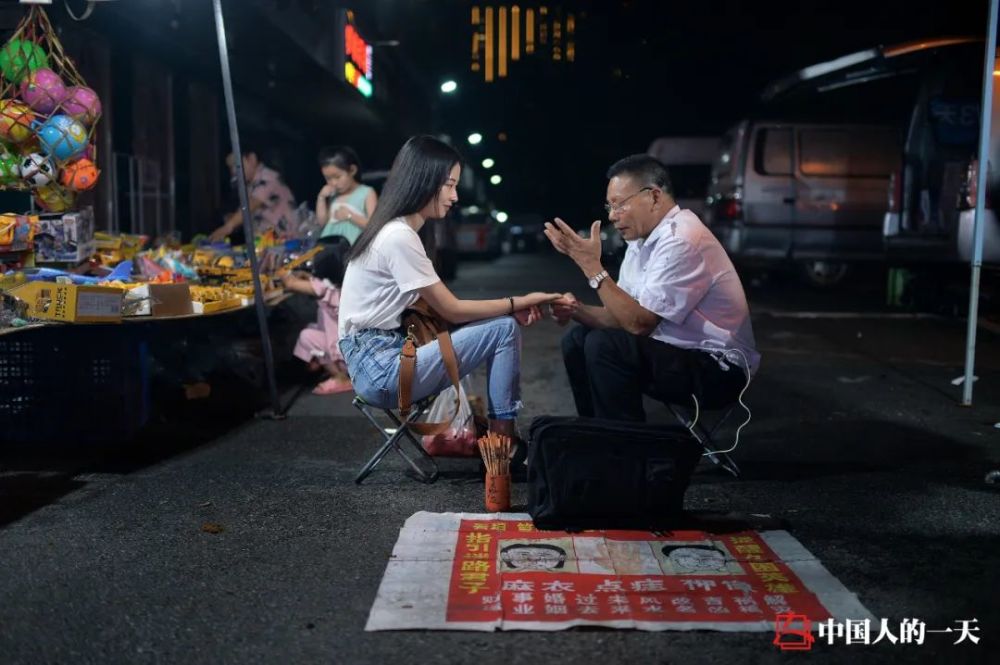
x,y
811,194
689,162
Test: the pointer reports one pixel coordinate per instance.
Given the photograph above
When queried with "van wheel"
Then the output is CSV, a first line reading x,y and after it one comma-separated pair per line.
x,y
824,274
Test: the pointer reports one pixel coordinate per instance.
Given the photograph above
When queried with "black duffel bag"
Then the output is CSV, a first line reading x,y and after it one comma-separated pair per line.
x,y
588,473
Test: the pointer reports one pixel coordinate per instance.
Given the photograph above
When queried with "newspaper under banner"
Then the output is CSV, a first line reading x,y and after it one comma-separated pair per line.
x,y
497,572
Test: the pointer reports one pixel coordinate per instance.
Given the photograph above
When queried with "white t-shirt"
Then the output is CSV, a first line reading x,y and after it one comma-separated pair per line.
x,y
682,274
382,282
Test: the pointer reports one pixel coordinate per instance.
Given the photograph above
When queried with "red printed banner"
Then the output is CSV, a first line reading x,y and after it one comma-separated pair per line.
x,y
503,573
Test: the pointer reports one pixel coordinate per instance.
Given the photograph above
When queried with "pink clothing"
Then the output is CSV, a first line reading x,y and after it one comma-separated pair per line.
x,y
319,340
278,210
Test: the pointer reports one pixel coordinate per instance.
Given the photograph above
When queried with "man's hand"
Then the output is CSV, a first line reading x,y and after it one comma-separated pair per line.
x,y
564,308
585,253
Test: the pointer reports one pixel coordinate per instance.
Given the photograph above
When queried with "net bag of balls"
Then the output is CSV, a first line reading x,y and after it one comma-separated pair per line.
x,y
47,118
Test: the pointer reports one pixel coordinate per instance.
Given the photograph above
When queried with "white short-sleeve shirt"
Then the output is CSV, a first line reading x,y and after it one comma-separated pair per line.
x,y
683,275
382,282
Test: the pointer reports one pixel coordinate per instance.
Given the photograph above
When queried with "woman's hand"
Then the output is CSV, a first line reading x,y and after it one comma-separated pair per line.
x,y
534,299
326,192
341,213
528,316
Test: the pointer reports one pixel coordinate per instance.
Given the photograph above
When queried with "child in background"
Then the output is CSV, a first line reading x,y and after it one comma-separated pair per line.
x,y
344,205
317,344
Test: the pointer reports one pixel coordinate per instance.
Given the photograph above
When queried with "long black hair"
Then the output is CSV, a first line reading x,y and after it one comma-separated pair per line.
x,y
418,173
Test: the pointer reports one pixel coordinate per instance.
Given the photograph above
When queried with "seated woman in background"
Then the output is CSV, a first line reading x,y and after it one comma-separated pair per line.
x,y
388,270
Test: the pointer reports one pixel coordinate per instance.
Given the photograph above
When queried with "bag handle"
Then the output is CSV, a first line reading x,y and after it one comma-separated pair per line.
x,y
407,368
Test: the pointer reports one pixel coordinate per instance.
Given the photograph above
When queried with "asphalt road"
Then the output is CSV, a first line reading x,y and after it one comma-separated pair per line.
x,y
857,447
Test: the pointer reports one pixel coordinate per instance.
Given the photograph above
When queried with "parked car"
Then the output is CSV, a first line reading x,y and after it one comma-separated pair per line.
x,y
689,162
810,194
477,233
525,232
967,216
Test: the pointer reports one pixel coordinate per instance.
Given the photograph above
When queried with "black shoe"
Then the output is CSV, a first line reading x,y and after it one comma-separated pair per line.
x,y
519,460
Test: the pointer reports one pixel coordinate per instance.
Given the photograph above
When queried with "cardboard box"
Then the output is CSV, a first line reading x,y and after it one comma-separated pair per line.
x,y
71,303
159,300
216,306
66,237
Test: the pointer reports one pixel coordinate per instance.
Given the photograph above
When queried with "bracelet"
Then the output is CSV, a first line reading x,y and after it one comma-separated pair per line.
x,y
511,299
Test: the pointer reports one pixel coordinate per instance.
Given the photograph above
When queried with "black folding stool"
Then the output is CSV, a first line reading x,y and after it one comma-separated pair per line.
x,y
394,437
707,435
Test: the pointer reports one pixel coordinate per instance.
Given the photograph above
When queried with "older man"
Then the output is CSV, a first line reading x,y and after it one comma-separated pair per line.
x,y
675,325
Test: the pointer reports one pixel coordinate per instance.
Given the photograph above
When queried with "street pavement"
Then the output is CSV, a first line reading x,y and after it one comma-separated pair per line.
x,y
857,446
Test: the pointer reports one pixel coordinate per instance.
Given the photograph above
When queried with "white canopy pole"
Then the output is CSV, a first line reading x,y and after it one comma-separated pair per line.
x,y
978,226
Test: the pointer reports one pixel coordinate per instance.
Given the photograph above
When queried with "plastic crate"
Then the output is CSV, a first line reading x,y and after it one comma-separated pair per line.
x,y
72,384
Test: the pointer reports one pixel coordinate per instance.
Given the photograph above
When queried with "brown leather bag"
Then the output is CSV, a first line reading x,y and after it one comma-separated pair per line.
x,y
422,325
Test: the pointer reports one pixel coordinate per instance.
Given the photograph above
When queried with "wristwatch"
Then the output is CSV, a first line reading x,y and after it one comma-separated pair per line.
x,y
596,280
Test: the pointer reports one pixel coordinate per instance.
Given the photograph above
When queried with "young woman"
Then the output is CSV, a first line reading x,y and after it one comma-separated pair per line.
x,y
388,270
344,205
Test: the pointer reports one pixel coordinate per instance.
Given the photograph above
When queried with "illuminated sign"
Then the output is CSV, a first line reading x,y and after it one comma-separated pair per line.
x,y
357,61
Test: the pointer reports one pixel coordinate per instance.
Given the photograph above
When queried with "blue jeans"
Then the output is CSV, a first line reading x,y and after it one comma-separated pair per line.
x,y
372,358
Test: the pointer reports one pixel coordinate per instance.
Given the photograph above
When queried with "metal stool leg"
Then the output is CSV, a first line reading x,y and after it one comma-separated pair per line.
x,y
707,440
393,441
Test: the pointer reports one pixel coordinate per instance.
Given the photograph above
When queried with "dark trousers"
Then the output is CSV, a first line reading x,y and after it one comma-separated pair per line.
x,y
610,370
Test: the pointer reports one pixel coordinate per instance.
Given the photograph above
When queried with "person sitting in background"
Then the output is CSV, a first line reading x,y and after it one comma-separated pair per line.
x,y
272,204
318,343
343,205
677,322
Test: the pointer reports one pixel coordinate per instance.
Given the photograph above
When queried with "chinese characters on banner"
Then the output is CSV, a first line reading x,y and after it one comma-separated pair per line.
x,y
488,572
508,570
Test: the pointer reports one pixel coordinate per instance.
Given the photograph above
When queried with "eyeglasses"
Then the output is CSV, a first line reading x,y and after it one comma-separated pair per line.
x,y
621,205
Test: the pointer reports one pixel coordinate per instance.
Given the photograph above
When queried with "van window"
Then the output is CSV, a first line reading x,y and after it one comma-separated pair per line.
x,y
835,153
690,181
773,153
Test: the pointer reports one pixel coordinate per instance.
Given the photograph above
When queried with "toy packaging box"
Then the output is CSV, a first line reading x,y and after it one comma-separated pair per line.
x,y
70,303
65,237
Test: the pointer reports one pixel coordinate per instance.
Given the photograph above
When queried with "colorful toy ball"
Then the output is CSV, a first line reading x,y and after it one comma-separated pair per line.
x,y
43,90
62,138
20,57
83,104
15,121
54,198
80,175
37,170
10,168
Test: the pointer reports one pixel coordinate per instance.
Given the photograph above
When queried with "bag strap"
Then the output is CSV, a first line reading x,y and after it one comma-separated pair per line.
x,y
407,368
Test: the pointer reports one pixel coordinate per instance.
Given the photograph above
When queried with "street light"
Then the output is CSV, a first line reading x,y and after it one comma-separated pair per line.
x,y
449,87
495,179
488,163
501,217
475,139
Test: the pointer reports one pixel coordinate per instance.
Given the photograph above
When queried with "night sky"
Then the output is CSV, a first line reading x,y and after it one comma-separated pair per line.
x,y
643,69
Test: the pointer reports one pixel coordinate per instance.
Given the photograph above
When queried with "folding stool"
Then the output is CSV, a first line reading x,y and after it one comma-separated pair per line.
x,y
395,437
